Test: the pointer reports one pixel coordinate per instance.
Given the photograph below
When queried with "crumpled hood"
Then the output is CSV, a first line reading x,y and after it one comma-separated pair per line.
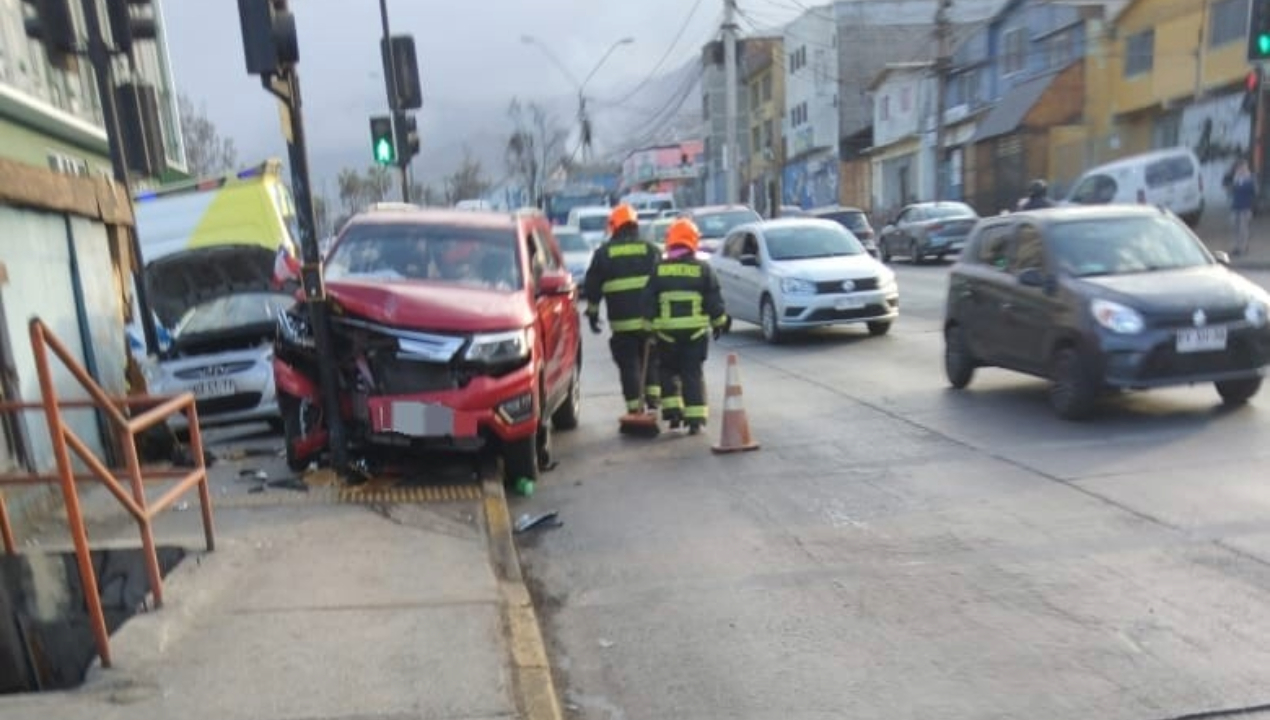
x,y
432,306
182,280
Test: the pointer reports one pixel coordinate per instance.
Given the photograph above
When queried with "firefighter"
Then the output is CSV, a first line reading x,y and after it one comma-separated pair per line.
x,y
618,273
683,306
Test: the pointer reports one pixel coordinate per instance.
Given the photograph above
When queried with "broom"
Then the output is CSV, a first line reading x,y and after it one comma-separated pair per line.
x,y
641,424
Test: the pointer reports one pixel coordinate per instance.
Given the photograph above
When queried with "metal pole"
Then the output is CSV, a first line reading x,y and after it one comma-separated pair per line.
x,y
286,87
99,57
731,158
394,102
942,64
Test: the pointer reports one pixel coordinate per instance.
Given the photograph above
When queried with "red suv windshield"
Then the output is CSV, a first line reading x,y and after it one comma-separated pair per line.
x,y
480,257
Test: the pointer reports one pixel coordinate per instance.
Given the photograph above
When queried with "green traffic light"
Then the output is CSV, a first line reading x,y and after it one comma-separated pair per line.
x,y
1263,43
384,154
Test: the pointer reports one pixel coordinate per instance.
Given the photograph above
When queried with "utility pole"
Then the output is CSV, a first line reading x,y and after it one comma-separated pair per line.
x,y
394,103
943,62
731,158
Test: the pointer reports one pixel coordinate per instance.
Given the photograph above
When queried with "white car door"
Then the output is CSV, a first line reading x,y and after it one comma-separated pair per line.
x,y
727,267
753,277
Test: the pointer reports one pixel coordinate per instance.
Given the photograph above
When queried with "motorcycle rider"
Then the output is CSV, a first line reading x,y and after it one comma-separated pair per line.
x,y
684,307
618,273
1037,196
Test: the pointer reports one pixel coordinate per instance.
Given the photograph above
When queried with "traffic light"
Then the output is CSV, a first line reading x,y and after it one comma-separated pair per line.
x,y
407,137
52,24
130,20
402,65
382,146
269,37
1252,90
1259,30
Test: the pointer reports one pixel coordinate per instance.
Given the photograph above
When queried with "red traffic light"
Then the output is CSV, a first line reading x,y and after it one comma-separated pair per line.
x,y
1252,80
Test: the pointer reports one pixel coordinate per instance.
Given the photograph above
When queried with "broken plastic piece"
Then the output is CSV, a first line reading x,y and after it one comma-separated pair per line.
x,y
528,522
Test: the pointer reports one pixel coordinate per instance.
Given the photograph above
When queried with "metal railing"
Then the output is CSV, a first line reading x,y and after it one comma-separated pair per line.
x,y
129,417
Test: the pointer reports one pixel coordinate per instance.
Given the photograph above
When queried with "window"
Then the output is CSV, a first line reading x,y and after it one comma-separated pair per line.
x,y
1169,170
754,97
886,107
1029,253
906,100
1139,54
1227,22
798,59
756,138
767,88
994,246
1060,49
1014,54
1094,190
768,133
67,165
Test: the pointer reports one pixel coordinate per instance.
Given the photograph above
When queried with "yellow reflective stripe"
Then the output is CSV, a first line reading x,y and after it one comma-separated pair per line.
x,y
698,322
652,391
672,403
634,405
625,284
637,324
627,249
664,336
679,296
679,270
720,321
593,310
696,412
697,334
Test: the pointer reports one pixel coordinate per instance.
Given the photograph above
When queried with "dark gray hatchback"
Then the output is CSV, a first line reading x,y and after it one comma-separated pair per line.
x,y
1103,298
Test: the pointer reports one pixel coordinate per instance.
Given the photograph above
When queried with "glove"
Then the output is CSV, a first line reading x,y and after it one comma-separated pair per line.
x,y
595,323
717,332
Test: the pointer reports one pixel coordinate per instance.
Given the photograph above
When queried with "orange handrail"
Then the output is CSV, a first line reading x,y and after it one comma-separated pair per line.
x,y
132,498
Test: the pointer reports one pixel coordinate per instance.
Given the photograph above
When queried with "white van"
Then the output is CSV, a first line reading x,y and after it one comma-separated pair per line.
x,y
592,221
1169,178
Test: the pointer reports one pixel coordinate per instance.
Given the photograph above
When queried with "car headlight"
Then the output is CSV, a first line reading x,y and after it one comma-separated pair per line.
x,y
887,281
1116,317
1256,313
797,286
499,348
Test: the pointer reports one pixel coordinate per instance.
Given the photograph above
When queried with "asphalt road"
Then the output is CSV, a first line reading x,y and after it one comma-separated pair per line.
x,y
898,549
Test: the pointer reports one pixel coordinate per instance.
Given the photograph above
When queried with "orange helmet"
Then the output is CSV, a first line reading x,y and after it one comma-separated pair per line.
x,y
683,233
622,214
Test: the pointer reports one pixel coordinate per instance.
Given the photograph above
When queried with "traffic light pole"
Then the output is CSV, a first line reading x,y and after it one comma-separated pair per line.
x,y
394,103
285,85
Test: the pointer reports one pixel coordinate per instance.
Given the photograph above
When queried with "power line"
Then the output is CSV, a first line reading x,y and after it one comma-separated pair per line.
x,y
665,56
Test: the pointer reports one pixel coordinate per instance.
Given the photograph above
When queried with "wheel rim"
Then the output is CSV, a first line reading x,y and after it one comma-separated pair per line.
x,y
769,321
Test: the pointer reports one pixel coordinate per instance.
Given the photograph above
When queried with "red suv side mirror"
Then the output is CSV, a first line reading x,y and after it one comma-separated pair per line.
x,y
557,282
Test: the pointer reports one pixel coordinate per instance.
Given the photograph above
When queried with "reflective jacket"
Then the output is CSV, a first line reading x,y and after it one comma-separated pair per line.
x,y
683,300
618,274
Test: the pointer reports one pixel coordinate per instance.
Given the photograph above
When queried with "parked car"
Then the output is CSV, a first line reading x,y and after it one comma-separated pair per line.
x,y
799,273
854,220
655,231
716,221
1168,178
1103,298
792,211
922,230
577,252
453,330
592,221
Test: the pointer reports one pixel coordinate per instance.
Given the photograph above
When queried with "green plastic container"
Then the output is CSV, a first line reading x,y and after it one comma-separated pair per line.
x,y
525,487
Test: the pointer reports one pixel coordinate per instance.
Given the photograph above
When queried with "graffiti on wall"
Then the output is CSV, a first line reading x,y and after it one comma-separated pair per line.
x,y
1219,132
811,183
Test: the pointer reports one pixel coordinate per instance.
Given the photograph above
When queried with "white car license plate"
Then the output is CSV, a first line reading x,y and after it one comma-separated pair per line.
x,y
1206,339
848,303
214,389
418,419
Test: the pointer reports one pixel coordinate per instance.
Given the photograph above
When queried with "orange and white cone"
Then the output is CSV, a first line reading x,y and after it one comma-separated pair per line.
x,y
736,425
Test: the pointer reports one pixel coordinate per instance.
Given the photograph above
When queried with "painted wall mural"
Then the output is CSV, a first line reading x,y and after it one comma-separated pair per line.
x,y
1219,132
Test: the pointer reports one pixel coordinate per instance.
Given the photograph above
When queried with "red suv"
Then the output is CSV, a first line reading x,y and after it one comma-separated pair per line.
x,y
452,330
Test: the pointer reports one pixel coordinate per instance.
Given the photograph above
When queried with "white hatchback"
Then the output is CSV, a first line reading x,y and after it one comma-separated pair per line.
x,y
802,273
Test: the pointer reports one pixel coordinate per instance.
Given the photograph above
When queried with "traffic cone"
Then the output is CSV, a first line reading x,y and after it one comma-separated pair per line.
x,y
736,425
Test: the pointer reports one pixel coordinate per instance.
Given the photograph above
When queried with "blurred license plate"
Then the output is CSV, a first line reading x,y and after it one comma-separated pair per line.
x,y
214,388
418,419
848,303
1208,339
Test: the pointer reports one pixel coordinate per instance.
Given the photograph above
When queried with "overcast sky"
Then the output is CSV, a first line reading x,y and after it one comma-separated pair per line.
x,y
471,59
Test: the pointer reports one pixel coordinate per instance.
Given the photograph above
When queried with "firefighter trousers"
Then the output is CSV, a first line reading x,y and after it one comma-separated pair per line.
x,y
628,354
683,379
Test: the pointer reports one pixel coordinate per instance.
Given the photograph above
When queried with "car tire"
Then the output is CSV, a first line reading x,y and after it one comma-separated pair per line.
x,y
959,364
277,426
1237,392
884,251
520,460
914,257
293,429
1073,391
769,323
878,328
566,416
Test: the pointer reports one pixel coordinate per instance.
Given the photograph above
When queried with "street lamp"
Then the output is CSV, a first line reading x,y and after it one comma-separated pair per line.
x,y
583,120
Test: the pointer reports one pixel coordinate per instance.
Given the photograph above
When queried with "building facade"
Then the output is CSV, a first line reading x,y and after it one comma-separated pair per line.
x,y
902,158
714,111
666,168
53,118
810,122
764,75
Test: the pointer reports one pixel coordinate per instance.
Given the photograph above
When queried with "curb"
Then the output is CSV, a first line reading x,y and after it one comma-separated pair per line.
x,y
533,685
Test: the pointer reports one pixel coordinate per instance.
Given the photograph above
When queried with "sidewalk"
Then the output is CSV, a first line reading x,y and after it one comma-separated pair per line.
x,y
1216,230
315,609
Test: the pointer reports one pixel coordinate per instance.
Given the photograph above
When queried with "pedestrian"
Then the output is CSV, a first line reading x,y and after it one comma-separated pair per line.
x,y
684,308
617,276
1243,195
1038,196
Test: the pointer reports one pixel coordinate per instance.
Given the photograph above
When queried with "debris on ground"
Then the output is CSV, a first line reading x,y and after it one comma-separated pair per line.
x,y
606,644
529,522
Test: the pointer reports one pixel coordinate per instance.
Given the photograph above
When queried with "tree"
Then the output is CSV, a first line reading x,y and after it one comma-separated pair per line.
x,y
535,147
321,216
467,181
206,152
425,195
356,191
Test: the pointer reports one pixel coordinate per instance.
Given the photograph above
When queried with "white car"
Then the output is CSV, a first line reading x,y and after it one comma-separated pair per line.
x,y
803,273
222,352
593,222
577,252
